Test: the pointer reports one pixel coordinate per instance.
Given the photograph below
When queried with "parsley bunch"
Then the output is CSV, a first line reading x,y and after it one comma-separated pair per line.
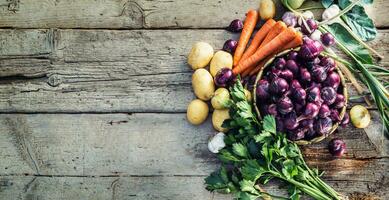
x,y
255,153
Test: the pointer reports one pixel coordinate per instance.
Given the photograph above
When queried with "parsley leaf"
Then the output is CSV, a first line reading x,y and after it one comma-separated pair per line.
x,y
240,150
269,124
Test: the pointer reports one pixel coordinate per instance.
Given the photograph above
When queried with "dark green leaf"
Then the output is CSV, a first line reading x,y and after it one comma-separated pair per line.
x,y
240,150
251,170
227,156
215,181
264,137
344,3
360,23
247,186
294,193
246,196
269,124
327,3
343,36
223,174
253,149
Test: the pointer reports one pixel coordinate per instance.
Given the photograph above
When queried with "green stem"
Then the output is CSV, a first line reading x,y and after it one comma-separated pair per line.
x,y
348,8
315,193
309,8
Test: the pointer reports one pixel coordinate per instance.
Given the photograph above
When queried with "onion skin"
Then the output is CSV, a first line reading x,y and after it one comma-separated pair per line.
x,y
284,105
289,19
230,46
324,111
337,147
327,39
280,63
323,126
278,86
235,26
328,94
223,77
313,94
310,49
263,90
333,80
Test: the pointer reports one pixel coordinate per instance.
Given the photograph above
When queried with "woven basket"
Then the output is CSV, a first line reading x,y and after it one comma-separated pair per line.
x,y
343,111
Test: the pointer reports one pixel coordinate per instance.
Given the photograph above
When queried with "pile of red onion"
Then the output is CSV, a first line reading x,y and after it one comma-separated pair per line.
x,y
303,91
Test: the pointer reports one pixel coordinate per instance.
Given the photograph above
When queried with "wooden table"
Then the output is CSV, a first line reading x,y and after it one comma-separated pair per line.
x,y
93,95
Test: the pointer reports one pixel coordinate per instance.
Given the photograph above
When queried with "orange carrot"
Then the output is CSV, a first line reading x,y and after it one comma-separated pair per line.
x,y
247,72
297,41
258,38
259,67
282,39
248,28
276,30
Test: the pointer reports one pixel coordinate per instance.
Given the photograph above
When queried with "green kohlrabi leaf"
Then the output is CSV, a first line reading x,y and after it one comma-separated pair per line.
x,y
327,3
343,36
344,3
360,23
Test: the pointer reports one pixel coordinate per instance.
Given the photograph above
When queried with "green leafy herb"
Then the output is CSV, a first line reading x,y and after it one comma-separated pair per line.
x,y
257,153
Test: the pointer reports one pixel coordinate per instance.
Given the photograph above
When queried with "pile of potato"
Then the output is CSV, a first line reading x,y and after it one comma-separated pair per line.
x,y
202,55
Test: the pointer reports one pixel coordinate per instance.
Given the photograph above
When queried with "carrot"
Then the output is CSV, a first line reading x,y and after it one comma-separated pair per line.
x,y
282,39
277,29
259,67
248,28
258,38
247,72
273,32
297,41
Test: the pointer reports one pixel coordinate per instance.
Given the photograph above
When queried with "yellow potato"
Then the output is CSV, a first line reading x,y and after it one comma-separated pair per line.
x,y
202,83
267,9
220,60
220,98
197,112
200,55
218,118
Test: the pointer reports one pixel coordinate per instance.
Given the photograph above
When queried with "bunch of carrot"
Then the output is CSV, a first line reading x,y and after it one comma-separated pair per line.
x,y
272,38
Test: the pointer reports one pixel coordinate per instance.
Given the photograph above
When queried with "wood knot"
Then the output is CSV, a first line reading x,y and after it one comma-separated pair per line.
x,y
54,80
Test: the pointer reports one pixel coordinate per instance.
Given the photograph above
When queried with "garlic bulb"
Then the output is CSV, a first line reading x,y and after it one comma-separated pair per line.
x,y
330,12
308,15
316,35
216,143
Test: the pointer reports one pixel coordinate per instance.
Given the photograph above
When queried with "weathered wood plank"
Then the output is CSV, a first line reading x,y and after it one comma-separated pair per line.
x,y
149,144
31,43
104,71
123,14
107,188
145,188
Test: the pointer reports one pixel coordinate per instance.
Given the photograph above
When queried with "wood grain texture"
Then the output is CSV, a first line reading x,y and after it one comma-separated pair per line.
x,y
142,188
129,14
149,156
144,144
104,70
